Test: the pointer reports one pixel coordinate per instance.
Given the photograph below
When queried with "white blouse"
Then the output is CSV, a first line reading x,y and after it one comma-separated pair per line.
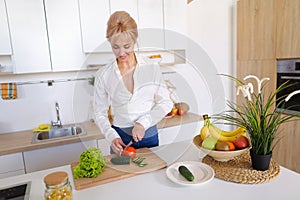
x,y
147,105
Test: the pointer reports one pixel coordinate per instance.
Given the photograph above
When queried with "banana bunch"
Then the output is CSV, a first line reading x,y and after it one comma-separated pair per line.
x,y
210,129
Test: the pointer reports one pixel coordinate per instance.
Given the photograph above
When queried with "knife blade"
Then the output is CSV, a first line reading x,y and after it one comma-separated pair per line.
x,y
130,143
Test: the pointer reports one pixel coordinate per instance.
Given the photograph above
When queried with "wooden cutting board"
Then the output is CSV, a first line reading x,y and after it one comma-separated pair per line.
x,y
116,172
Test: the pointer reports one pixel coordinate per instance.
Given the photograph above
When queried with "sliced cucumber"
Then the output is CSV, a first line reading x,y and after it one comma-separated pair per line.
x,y
122,160
139,161
186,173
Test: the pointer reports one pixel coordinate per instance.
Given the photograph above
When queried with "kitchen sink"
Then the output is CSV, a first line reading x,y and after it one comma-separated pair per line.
x,y
66,131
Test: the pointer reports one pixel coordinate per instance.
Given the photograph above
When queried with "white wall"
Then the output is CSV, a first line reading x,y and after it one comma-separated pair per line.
x,y
211,23
35,103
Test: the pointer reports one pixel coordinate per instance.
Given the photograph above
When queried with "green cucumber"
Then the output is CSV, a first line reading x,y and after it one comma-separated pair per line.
x,y
122,160
139,161
186,173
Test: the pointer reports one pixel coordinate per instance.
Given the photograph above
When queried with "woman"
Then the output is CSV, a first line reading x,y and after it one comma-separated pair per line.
x,y
134,90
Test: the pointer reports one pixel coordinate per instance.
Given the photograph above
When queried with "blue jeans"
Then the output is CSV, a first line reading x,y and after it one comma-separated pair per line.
x,y
149,140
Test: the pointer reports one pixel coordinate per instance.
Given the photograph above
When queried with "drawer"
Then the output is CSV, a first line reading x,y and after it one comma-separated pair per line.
x,y
11,162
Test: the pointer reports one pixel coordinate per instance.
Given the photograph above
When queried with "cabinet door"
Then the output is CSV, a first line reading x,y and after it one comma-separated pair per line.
x,y
28,36
288,29
256,29
128,6
94,15
287,151
175,24
151,24
55,156
11,164
5,48
64,34
260,68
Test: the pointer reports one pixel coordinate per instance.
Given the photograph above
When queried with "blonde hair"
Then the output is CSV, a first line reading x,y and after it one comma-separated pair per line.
x,y
120,22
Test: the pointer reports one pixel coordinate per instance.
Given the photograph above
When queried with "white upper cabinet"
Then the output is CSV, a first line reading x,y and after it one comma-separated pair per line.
x,y
5,47
151,24
129,6
175,24
148,15
94,15
64,34
28,36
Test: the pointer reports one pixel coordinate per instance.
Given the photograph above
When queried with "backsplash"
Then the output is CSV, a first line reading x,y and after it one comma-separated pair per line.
x,y
35,103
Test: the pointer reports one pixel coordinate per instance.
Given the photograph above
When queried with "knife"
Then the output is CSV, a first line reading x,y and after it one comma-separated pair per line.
x,y
130,143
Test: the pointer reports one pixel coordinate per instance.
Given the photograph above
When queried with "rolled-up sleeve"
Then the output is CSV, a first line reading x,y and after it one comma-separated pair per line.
x,y
101,105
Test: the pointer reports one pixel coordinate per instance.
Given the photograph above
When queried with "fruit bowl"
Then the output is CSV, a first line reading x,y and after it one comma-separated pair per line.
x,y
222,156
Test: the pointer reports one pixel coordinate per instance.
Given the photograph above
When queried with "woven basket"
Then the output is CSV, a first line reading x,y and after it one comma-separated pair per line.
x,y
240,170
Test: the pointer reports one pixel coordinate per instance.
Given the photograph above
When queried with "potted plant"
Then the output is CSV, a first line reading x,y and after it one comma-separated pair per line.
x,y
260,116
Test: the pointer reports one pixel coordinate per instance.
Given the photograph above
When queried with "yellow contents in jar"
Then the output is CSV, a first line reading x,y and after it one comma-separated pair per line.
x,y
62,193
58,186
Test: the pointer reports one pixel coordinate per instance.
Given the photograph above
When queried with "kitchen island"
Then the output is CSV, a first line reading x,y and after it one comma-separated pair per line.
x,y
156,185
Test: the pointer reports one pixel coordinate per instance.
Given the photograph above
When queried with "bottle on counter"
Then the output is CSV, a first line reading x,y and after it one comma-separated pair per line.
x,y
57,186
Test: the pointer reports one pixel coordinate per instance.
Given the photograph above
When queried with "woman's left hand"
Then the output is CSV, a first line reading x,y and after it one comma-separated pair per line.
x,y
138,132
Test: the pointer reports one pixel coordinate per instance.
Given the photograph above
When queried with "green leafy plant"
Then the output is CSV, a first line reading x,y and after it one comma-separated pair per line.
x,y
91,164
259,114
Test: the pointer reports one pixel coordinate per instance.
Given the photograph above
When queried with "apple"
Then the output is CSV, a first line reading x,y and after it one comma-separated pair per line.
x,y
169,114
180,112
241,142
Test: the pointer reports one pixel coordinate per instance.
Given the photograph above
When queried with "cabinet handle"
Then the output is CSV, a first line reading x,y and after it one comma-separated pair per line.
x,y
290,77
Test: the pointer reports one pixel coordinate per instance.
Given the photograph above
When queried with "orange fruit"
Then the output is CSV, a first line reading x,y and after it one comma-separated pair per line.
x,y
231,146
174,111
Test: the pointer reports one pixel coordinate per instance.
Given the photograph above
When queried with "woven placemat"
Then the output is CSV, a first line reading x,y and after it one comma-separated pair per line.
x,y
240,170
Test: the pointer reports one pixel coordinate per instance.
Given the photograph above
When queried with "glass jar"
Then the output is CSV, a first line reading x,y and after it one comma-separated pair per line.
x,y
57,186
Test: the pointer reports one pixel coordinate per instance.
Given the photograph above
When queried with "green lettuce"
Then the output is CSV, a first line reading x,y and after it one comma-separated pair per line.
x,y
91,164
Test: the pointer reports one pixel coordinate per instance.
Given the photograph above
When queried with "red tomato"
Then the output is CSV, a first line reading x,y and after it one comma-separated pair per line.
x,y
129,151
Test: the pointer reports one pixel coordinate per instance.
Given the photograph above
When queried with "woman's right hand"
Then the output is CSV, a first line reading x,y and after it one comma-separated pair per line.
x,y
117,145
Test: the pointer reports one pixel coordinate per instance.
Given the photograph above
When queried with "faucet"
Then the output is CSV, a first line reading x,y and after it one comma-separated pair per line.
x,y
58,122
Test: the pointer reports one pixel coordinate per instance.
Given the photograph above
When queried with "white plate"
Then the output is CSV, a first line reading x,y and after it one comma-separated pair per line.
x,y
202,173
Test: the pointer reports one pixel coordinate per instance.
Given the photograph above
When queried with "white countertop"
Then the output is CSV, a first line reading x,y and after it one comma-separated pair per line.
x,y
156,185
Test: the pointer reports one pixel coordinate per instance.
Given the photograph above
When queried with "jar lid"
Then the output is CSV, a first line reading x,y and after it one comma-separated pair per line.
x,y
55,178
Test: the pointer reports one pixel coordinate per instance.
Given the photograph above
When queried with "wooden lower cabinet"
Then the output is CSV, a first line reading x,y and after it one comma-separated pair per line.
x,y
287,150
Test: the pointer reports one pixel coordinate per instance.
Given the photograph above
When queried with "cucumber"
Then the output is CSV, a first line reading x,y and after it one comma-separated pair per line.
x,y
139,161
186,173
122,160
